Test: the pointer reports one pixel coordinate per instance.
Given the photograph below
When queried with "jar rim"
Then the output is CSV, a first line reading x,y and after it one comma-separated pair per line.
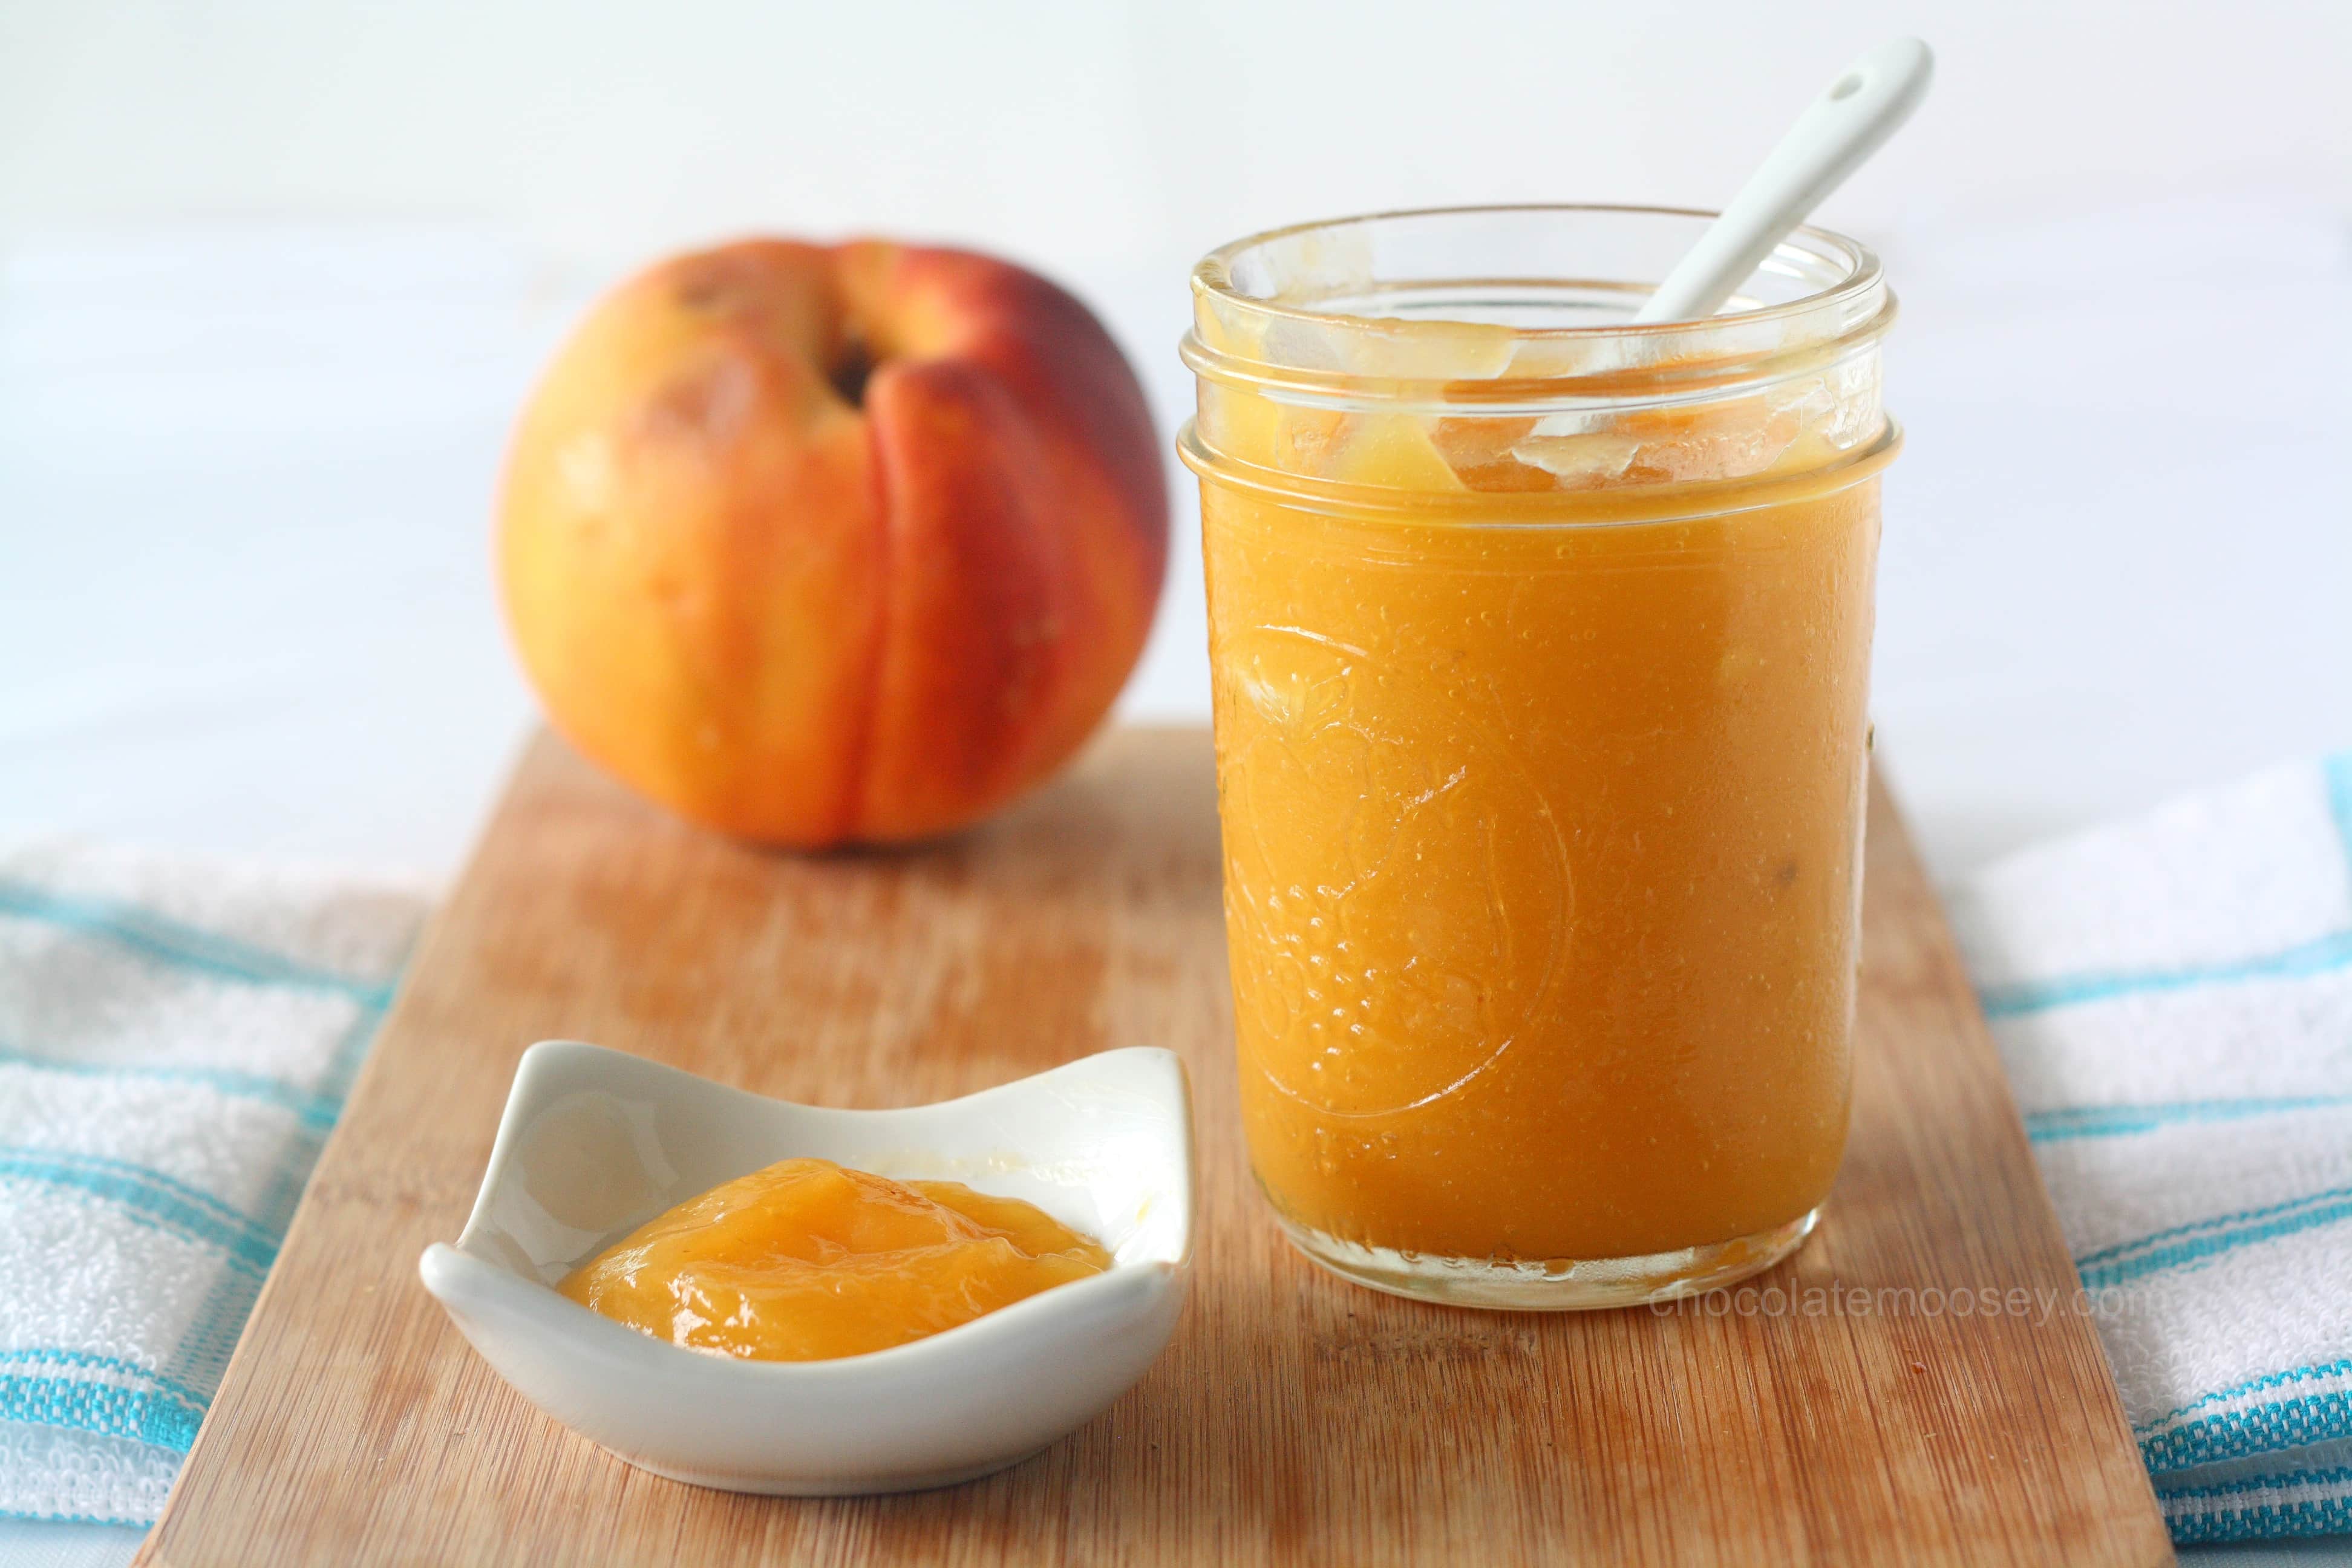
x,y
1212,273
1642,362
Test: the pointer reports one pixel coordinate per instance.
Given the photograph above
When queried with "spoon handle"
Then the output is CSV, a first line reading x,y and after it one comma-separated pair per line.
x,y
1830,140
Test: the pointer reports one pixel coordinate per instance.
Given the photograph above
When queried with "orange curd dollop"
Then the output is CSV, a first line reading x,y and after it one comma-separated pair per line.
x,y
806,1260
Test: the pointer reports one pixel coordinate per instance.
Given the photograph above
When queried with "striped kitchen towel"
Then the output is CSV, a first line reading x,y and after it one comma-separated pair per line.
x,y
177,1037
2173,998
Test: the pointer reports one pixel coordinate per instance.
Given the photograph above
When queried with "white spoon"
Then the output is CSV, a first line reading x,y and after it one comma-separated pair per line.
x,y
1830,141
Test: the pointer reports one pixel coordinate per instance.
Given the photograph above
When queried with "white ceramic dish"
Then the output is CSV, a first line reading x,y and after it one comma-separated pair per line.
x,y
594,1143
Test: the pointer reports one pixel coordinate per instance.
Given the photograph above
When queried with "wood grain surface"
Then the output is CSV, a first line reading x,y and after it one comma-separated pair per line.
x,y
1294,1419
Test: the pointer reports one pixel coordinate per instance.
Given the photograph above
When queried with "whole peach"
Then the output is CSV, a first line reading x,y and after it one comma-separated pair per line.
x,y
817,544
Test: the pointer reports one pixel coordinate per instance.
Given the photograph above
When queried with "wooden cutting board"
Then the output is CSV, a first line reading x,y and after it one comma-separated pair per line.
x,y
1294,1419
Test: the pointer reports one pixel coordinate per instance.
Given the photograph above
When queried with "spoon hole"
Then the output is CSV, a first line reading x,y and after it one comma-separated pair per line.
x,y
1847,86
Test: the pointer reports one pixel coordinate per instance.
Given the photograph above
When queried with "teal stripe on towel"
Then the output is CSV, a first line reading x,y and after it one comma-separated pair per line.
x,y
203,1354
2207,1238
2338,770
350,1054
2115,1120
2286,1379
151,1198
2321,955
316,1110
148,1415
2193,1518
170,941
215,1204
2278,1425
2275,1429
49,1355
75,1518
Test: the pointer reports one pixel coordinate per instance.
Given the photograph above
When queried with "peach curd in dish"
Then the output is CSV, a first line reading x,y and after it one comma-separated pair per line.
x,y
807,1261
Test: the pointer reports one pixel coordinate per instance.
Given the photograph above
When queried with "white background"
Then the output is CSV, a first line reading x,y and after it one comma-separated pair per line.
x,y
273,277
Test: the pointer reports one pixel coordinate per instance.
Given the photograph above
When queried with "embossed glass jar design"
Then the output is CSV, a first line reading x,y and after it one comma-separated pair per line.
x,y
1541,644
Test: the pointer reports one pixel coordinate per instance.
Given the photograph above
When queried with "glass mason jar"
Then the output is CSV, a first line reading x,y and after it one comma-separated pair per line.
x,y
1541,644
